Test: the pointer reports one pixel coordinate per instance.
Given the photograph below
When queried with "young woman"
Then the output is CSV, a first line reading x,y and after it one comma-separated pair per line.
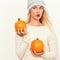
x,y
38,26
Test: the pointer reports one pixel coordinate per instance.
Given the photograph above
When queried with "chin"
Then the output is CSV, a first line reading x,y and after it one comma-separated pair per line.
x,y
37,18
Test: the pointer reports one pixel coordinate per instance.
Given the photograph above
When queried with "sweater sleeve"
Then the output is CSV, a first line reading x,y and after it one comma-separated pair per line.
x,y
52,43
21,45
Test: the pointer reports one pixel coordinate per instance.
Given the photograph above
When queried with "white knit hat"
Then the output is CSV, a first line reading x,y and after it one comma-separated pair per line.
x,y
31,3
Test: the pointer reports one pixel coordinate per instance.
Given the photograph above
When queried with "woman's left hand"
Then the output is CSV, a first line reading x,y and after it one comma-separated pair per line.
x,y
37,54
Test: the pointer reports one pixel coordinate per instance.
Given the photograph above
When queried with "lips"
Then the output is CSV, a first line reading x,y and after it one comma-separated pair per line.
x,y
38,15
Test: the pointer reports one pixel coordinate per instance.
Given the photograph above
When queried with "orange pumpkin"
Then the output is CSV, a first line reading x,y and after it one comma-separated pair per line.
x,y
37,45
20,25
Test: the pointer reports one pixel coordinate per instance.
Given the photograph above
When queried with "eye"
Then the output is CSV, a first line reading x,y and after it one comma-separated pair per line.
x,y
34,7
41,7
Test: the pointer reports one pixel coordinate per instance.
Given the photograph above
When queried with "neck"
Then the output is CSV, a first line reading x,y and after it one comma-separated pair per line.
x,y
35,22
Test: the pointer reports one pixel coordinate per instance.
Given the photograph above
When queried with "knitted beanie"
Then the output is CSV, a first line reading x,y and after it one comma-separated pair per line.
x,y
31,3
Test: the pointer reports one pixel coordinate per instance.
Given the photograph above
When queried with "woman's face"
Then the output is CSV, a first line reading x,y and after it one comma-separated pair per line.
x,y
36,12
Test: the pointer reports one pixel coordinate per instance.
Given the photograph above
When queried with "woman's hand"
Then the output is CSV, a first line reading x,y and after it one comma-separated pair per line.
x,y
21,32
37,54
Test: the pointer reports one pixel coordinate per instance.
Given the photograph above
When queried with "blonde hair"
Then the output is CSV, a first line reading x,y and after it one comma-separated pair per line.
x,y
44,20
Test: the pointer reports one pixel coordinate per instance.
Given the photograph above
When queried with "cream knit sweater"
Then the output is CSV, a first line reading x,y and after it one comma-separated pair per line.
x,y
41,32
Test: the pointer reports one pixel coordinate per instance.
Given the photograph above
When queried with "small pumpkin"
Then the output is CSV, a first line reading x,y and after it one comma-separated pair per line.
x,y
37,45
20,25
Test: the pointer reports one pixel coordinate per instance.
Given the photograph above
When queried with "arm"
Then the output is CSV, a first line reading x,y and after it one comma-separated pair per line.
x,y
21,45
52,43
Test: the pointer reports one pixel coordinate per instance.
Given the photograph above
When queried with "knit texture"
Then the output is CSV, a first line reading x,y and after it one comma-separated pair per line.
x,y
41,32
32,3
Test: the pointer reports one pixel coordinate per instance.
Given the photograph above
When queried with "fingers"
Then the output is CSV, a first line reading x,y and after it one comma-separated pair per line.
x,y
37,53
18,31
21,32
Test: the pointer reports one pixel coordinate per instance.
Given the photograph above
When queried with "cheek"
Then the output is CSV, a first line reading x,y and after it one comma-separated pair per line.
x,y
33,13
41,12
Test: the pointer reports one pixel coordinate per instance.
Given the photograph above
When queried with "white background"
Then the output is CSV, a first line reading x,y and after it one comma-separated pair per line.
x,y
10,11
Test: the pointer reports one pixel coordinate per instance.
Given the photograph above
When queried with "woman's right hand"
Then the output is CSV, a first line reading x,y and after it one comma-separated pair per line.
x,y
21,32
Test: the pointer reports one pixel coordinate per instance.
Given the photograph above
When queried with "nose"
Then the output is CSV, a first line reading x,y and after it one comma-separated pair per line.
x,y
38,10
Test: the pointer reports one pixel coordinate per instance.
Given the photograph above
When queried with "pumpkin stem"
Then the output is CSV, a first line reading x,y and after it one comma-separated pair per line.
x,y
18,19
37,38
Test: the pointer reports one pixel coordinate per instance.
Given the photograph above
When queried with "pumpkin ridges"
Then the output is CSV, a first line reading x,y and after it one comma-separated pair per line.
x,y
20,25
37,45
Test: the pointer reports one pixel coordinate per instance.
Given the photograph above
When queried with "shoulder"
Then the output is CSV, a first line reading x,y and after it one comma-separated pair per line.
x,y
49,33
